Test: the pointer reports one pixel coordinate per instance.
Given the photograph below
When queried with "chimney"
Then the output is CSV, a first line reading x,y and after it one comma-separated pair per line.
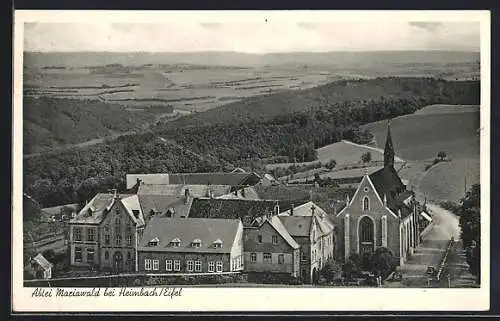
x,y
385,200
399,213
187,195
291,210
313,208
347,199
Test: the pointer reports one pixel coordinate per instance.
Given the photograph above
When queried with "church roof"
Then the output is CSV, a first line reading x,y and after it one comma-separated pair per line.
x,y
386,180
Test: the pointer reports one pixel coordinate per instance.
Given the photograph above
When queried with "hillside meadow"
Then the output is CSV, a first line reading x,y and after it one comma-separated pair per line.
x,y
422,136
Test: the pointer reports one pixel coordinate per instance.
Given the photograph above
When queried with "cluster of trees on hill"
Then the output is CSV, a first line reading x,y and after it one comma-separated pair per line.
x,y
388,88
76,175
70,176
51,122
469,213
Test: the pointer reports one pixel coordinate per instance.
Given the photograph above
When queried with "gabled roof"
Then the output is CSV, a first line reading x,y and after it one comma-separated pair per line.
x,y
246,210
297,225
216,178
187,230
276,223
102,202
42,261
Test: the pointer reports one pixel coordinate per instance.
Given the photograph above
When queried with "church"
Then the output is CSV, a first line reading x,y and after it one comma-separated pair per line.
x,y
382,213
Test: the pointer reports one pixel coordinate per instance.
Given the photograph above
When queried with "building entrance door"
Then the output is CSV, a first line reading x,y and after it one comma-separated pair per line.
x,y
118,261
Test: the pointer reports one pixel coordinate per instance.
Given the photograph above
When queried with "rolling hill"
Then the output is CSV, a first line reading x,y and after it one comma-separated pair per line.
x,y
422,136
49,122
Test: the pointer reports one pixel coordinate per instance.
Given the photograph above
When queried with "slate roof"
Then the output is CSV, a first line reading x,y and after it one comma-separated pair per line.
x,y
187,230
179,190
102,202
160,204
216,178
386,180
246,210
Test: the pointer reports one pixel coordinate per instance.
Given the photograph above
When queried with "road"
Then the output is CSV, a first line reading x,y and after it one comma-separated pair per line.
x,y
429,253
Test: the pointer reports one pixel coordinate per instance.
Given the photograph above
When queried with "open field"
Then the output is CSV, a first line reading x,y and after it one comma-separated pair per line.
x,y
447,109
446,180
344,153
184,88
422,136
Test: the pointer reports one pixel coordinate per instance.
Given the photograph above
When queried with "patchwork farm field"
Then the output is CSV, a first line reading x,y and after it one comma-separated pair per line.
x,y
187,88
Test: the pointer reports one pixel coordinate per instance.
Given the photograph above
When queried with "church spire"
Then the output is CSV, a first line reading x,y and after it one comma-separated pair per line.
x,y
389,148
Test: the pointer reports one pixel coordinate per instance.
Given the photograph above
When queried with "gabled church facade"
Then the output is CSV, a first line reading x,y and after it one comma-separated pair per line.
x,y
382,213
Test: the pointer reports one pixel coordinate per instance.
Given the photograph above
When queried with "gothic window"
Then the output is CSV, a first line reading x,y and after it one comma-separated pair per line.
x,y
366,230
366,203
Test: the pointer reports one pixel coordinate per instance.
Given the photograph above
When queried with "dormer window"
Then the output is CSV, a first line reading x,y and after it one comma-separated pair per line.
x,y
136,213
154,242
218,243
175,242
196,243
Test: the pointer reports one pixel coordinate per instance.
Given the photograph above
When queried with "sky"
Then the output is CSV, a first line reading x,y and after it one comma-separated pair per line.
x,y
251,37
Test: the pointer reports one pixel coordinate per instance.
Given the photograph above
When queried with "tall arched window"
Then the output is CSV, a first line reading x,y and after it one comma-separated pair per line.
x,y
366,203
366,230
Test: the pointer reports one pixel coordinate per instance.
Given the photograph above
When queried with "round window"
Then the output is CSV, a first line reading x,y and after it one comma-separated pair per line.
x,y
366,189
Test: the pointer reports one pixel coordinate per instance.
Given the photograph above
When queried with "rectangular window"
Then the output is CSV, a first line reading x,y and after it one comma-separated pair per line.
x,y
168,265
190,266
90,256
211,266
259,238
118,240
107,239
177,265
147,264
253,257
275,239
268,258
281,259
304,257
197,266
156,265
91,234
78,254
219,266
77,233
129,240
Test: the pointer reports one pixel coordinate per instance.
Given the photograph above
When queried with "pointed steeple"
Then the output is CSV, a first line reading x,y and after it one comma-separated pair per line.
x,y
389,148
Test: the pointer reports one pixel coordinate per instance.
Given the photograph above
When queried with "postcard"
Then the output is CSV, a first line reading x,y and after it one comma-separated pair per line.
x,y
251,161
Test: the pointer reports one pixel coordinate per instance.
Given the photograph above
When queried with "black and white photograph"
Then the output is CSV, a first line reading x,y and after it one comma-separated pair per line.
x,y
161,155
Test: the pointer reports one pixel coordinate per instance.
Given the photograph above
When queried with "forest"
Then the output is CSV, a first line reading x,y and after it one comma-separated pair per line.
x,y
75,175
51,122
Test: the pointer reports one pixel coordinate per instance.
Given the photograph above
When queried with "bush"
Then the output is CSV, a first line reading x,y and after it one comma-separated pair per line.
x,y
366,157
